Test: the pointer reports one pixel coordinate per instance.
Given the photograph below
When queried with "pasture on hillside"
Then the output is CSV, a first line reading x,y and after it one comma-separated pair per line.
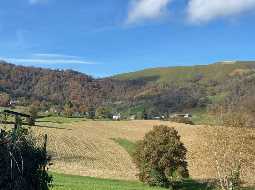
x,y
97,148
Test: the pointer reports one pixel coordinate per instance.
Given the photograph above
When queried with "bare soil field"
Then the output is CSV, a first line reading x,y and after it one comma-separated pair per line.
x,y
86,148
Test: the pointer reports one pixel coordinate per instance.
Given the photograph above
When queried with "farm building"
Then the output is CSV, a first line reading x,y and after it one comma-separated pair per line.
x,y
116,117
187,115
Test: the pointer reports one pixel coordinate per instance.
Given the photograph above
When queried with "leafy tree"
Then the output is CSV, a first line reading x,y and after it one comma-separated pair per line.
x,y
33,111
161,157
68,109
145,114
103,113
91,113
22,162
4,99
83,109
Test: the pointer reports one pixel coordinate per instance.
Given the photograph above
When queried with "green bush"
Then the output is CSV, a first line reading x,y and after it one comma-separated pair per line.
x,y
161,157
33,111
103,113
22,162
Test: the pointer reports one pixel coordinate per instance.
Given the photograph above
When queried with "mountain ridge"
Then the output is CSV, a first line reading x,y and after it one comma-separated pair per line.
x,y
159,90
157,70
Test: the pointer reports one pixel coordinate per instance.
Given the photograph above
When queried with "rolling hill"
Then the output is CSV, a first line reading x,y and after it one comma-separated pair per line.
x,y
58,87
218,71
192,86
154,91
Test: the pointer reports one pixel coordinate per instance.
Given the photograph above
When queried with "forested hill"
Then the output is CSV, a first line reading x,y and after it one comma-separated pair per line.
x,y
159,90
61,86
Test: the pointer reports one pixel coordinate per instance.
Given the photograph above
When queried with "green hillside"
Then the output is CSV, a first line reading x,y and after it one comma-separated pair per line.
x,y
218,71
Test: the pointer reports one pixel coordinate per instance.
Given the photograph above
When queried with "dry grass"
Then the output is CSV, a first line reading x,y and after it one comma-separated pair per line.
x,y
85,148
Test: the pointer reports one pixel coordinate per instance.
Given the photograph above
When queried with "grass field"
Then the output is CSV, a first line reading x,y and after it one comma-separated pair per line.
x,y
202,117
69,182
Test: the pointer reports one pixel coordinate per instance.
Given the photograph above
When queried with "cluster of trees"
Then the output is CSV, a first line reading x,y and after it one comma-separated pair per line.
x,y
238,106
59,87
177,99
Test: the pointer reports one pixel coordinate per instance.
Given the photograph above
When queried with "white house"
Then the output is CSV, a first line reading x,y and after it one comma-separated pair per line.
x,y
187,115
132,117
13,102
116,117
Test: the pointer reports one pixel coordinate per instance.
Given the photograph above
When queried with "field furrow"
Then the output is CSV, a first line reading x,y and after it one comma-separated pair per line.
x,y
86,148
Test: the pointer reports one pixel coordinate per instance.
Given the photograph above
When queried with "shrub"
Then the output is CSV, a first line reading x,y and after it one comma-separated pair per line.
x,y
33,111
103,113
22,162
4,99
161,157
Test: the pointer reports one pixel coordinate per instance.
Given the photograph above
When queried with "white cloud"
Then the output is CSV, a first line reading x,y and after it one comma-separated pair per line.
x,y
48,59
207,10
146,9
55,55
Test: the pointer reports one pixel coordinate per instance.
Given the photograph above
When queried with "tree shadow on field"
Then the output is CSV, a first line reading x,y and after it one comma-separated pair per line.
x,y
194,185
64,122
48,121
49,127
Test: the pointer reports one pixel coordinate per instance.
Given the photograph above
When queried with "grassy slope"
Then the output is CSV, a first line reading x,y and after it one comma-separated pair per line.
x,y
200,116
126,144
210,72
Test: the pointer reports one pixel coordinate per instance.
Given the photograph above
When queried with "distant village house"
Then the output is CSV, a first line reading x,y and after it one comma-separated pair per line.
x,y
187,115
116,117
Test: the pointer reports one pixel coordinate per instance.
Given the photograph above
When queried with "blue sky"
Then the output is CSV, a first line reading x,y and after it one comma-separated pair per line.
x,y
105,37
